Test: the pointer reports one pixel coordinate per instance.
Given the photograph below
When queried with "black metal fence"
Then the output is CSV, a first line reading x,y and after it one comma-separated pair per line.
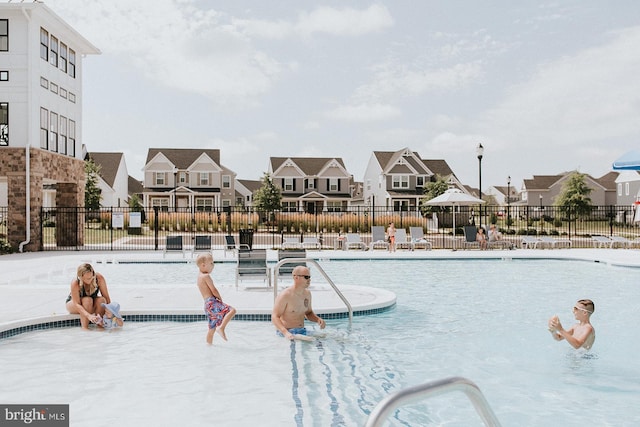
x,y
113,229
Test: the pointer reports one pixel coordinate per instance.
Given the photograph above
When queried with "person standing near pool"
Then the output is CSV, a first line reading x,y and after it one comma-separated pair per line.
x,y
88,293
582,334
219,313
391,234
293,305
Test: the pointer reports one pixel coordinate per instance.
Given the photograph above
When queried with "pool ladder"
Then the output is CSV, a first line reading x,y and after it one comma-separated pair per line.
x,y
411,394
276,273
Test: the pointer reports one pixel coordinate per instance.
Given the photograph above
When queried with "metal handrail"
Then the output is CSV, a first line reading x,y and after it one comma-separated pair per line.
x,y
276,271
411,394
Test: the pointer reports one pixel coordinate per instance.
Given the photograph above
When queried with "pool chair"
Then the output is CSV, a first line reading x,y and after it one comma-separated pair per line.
x,y
287,269
290,243
620,242
253,264
173,244
378,240
401,240
311,243
201,244
418,239
530,242
602,242
353,241
554,243
470,241
231,246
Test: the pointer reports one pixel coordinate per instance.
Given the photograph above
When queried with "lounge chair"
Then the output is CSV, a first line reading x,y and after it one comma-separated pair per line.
x,y
201,244
553,242
401,240
287,269
253,263
353,241
291,243
311,243
231,246
418,239
602,241
173,244
378,240
470,232
529,242
621,242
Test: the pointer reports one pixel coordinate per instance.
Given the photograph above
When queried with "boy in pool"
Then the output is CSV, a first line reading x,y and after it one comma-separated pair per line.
x,y
112,318
219,313
582,334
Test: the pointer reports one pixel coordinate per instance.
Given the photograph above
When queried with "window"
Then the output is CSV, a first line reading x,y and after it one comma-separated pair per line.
x,y
53,135
420,180
162,203
62,63
4,35
226,203
160,178
63,93
288,184
53,87
626,188
44,83
368,185
72,63
71,150
334,206
4,76
4,124
334,185
311,183
203,178
44,128
226,181
400,205
400,181
62,147
53,49
289,206
182,177
44,44
72,97
204,205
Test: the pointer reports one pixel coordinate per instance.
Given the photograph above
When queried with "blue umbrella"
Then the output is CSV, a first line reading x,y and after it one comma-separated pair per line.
x,y
629,161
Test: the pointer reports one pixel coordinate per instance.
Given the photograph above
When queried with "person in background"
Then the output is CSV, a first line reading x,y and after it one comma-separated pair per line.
x,y
481,238
581,334
219,313
88,294
391,234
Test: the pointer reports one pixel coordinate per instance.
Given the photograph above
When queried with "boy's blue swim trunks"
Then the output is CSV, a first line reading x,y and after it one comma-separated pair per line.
x,y
294,331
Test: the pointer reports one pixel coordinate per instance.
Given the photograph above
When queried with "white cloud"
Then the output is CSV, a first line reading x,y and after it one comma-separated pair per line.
x,y
364,112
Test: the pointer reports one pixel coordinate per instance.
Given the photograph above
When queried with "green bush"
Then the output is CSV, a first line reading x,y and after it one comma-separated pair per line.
x,y
5,247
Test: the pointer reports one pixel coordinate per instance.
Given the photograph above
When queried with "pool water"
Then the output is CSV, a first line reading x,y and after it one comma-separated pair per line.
x,y
483,320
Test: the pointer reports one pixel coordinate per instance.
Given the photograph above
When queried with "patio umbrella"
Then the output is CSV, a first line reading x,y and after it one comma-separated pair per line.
x,y
629,161
454,197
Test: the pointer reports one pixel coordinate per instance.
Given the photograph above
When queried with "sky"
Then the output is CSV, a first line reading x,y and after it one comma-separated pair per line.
x,y
545,87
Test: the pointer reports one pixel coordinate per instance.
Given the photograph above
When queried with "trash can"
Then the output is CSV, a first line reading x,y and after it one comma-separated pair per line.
x,y
246,237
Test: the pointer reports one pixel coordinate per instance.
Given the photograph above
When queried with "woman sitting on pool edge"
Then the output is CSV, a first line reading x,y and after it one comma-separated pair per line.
x,y
88,293
582,334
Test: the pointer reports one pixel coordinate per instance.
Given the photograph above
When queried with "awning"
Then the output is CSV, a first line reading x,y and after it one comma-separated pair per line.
x,y
629,161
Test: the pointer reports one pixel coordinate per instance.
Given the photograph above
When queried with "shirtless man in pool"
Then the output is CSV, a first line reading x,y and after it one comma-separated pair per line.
x,y
582,334
293,305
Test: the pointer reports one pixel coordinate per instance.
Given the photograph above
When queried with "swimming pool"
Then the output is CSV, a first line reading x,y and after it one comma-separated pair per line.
x,y
484,320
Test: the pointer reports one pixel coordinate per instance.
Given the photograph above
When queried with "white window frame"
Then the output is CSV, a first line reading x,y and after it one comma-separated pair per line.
x,y
204,204
333,206
182,177
333,184
400,181
288,184
160,178
311,183
626,188
420,178
203,178
289,206
161,202
226,181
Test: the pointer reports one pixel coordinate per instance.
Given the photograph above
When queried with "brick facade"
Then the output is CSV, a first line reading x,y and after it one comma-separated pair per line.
x,y
46,167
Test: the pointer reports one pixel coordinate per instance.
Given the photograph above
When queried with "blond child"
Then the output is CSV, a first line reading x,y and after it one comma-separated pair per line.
x,y
582,334
219,313
112,318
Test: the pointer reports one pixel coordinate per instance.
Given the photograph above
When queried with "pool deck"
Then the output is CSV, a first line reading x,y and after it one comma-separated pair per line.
x,y
24,302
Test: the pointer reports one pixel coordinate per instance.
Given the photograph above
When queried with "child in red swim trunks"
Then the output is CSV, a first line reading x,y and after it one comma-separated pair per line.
x,y
219,313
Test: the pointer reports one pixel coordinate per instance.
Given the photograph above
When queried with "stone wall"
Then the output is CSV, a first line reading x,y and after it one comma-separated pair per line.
x,y
46,167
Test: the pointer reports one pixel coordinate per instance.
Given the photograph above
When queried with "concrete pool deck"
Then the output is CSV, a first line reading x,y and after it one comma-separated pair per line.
x,y
25,302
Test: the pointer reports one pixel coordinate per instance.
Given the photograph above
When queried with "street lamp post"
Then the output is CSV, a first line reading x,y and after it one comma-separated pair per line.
x,y
540,215
480,152
508,201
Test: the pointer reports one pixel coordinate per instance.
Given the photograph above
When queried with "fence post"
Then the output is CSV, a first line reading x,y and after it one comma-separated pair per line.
x,y
156,226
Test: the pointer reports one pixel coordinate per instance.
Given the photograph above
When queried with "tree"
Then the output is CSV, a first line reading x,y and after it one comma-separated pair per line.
x,y
268,197
431,190
574,196
92,193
